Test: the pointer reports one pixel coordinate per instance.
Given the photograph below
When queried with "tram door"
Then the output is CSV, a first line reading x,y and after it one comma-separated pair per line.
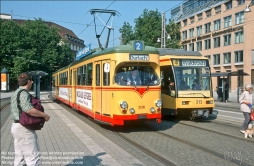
x,y
102,71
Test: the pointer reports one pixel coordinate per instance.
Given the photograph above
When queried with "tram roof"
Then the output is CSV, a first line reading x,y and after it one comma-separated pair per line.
x,y
182,52
128,48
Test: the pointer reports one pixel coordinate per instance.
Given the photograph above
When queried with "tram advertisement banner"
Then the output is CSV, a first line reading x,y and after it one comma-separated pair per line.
x,y
63,93
84,98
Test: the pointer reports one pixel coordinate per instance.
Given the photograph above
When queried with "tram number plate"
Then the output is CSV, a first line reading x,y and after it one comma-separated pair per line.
x,y
141,116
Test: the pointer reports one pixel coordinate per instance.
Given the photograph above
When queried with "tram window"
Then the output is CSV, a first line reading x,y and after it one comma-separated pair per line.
x,y
98,75
59,78
106,77
84,75
75,77
89,76
120,78
63,78
79,75
66,78
71,77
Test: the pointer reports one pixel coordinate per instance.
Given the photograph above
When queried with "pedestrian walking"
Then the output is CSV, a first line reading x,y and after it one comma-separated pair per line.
x,y
246,106
25,140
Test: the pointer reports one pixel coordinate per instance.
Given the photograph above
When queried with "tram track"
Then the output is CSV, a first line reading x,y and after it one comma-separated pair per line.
x,y
145,150
241,139
169,138
207,150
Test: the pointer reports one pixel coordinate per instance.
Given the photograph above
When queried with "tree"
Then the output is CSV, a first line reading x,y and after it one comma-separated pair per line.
x,y
174,31
127,33
9,42
31,46
148,28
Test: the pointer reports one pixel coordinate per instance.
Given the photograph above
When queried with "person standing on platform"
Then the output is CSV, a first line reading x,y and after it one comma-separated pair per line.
x,y
25,140
246,106
226,86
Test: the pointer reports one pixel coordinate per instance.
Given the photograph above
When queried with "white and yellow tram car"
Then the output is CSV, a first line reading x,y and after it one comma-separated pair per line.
x,y
102,84
186,85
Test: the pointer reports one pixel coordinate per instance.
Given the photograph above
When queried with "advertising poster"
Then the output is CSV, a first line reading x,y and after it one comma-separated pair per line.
x,y
63,93
84,98
3,82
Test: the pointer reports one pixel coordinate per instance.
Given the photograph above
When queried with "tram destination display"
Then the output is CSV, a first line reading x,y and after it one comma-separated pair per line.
x,y
190,62
138,57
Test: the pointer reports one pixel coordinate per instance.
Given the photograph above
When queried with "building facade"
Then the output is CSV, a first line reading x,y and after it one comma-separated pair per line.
x,y
222,31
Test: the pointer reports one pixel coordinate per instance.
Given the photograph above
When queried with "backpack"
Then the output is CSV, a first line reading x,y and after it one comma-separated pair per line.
x,y
28,121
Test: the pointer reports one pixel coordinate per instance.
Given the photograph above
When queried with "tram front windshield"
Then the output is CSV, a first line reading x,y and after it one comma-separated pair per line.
x,y
193,79
136,75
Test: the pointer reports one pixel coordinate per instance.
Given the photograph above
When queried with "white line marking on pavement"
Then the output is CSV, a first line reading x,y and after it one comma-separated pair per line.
x,y
230,117
229,111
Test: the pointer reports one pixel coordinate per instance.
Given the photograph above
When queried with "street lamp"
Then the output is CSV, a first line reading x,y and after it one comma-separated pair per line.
x,y
248,8
168,37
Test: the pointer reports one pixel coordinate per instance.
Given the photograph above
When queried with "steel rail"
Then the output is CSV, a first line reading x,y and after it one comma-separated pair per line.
x,y
198,147
145,150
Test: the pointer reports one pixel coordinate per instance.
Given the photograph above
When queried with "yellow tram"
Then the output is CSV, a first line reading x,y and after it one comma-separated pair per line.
x,y
113,85
186,85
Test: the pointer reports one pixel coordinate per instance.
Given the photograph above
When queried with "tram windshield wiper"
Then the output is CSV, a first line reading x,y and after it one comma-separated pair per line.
x,y
198,93
147,86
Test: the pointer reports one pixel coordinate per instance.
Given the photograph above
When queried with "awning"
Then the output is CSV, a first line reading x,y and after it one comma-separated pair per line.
x,y
234,73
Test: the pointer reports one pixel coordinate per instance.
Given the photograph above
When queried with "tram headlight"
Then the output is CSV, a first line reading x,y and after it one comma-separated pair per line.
x,y
158,103
123,105
152,109
185,102
132,111
209,102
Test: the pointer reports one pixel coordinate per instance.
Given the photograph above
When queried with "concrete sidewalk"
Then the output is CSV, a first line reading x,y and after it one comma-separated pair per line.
x,y
66,140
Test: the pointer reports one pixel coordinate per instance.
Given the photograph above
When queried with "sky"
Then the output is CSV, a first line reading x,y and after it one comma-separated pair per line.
x,y
75,15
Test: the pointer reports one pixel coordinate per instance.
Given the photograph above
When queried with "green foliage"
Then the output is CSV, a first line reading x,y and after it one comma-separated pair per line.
x,y
174,31
127,33
148,28
32,46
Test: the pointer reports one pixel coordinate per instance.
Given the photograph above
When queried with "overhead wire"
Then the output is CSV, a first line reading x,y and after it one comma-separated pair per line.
x,y
45,19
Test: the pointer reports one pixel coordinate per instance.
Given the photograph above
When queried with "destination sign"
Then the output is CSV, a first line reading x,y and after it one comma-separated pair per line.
x,y
193,63
139,57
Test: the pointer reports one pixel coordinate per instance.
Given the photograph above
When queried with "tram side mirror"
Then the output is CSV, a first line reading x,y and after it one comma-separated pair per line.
x,y
106,67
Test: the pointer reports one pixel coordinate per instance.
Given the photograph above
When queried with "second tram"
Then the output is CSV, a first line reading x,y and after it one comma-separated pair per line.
x,y
114,85
186,84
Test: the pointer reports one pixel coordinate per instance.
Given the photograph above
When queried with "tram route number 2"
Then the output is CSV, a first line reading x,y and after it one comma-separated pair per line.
x,y
198,101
